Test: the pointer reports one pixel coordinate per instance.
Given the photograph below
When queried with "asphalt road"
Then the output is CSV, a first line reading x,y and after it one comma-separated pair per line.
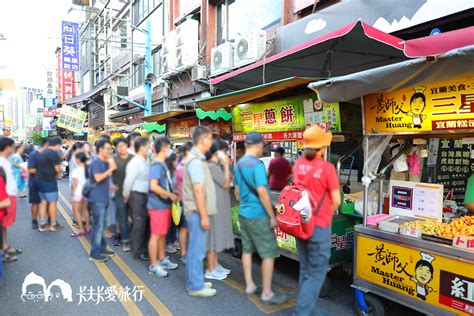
x,y
55,255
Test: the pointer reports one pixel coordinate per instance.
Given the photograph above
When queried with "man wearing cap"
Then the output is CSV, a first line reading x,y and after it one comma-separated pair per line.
x,y
257,219
279,170
320,180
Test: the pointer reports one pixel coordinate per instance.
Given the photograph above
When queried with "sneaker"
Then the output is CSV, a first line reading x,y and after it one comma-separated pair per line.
x,y
34,224
205,292
215,275
56,227
98,258
116,241
171,249
182,259
223,270
43,227
158,271
108,253
167,264
126,246
208,285
176,245
142,257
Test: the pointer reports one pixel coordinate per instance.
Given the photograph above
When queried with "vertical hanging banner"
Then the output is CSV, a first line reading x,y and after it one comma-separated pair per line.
x,y
60,80
68,83
70,45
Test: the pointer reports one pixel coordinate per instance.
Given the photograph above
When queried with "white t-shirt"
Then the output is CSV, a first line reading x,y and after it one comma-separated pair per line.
x,y
79,174
12,189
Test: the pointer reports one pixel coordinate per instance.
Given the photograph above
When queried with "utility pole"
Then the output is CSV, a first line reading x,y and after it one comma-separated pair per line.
x,y
148,68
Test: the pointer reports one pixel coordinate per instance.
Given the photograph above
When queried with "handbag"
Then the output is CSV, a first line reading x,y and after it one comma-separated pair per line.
x,y
87,188
176,211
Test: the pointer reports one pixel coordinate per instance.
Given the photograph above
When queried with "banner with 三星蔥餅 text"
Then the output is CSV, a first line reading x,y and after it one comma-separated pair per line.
x,y
443,106
422,275
292,114
71,119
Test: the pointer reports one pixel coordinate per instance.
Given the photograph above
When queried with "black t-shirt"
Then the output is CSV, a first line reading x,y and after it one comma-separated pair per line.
x,y
46,162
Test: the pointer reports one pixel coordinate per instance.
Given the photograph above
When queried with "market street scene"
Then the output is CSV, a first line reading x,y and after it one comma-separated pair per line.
x,y
237,157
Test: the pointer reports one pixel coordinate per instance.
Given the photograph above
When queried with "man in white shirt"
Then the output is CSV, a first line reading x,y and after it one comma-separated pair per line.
x,y
135,192
6,149
131,142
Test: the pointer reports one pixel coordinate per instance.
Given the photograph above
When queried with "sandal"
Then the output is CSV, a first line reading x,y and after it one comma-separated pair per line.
x,y
9,258
258,290
276,299
78,234
13,251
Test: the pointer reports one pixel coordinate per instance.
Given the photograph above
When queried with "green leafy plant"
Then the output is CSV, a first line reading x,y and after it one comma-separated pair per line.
x,y
34,137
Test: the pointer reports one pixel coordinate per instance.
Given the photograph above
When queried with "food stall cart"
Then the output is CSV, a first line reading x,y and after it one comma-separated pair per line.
x,y
415,255
281,119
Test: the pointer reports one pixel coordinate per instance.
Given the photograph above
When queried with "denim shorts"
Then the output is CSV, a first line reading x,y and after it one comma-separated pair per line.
x,y
48,196
258,236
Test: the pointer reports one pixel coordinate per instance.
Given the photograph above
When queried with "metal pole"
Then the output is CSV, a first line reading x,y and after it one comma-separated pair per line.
x,y
366,181
148,67
381,195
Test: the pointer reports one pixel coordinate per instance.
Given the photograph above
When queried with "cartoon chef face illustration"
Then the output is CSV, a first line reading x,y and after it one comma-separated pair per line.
x,y
423,275
417,106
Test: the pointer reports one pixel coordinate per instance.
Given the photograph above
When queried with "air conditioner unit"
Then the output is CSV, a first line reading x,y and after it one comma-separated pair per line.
x,y
222,58
187,44
168,64
249,48
198,72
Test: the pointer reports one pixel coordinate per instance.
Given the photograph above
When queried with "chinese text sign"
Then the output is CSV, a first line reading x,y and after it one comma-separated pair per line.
x,y
70,45
431,107
71,119
429,277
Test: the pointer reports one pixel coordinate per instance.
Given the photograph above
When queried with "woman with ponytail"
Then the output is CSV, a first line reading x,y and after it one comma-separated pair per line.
x,y
79,204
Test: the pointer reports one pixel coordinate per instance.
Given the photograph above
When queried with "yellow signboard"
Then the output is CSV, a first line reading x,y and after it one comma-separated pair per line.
x,y
444,106
72,119
422,275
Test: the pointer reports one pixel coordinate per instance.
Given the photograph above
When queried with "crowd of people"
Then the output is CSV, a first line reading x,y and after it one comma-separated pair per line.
x,y
127,191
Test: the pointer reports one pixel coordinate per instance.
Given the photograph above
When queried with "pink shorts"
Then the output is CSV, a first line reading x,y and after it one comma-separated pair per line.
x,y
160,221
76,198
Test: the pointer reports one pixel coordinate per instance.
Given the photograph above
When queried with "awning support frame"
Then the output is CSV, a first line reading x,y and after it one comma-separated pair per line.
x,y
130,101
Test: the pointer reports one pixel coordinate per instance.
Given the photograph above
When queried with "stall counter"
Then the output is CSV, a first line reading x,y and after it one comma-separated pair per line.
x,y
429,277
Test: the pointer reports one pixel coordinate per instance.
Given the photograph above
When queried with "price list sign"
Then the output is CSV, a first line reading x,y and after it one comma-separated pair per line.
x,y
453,167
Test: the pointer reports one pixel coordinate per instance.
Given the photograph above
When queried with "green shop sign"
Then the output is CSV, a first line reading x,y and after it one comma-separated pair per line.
x,y
274,116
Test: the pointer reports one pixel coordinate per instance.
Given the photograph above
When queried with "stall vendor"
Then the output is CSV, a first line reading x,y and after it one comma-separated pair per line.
x,y
469,195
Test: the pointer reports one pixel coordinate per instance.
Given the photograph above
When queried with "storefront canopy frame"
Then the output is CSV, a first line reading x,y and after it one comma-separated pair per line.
x,y
456,63
85,96
252,93
160,117
150,127
355,47
440,43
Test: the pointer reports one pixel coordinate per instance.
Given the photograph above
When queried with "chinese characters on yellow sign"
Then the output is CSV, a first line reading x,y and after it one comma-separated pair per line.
x,y
287,115
432,107
422,275
275,116
71,119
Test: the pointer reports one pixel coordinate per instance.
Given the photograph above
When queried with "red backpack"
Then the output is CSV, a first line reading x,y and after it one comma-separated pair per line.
x,y
289,220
